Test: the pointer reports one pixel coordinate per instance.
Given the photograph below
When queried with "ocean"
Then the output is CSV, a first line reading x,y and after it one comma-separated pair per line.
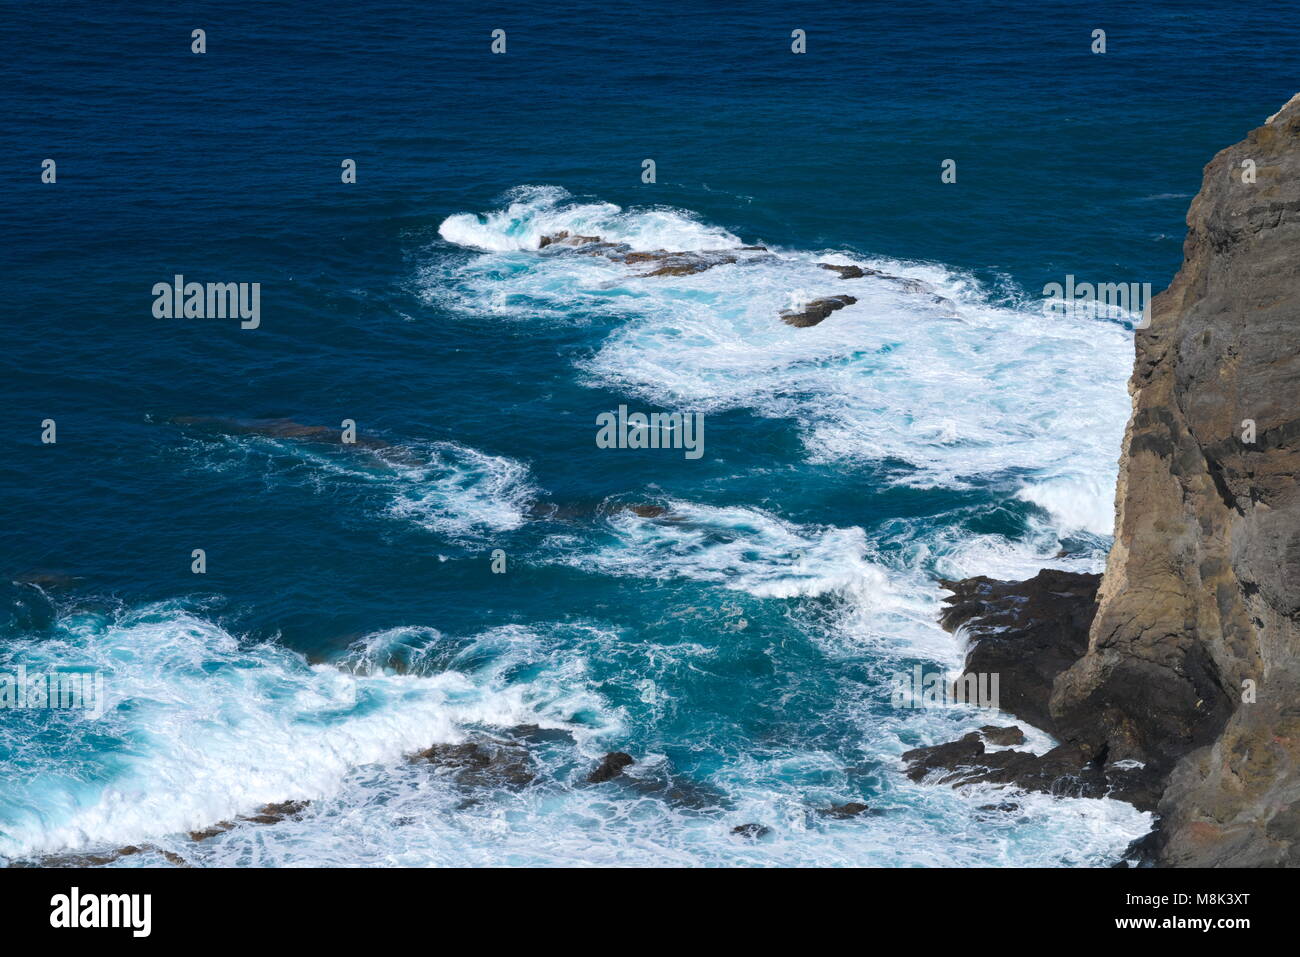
x,y
476,564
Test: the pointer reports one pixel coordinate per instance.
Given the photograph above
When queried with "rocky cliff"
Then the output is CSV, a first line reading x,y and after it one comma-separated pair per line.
x,y
1201,594
1192,661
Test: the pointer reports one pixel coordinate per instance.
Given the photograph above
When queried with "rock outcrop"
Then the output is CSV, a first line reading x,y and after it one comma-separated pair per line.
x,y
660,262
1193,661
1064,771
1027,632
610,767
1186,695
815,311
483,763
266,814
1002,737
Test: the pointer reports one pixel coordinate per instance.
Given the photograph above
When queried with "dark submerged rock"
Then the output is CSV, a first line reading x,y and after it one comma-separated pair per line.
x,y
46,580
535,734
658,782
266,814
648,511
285,429
610,767
483,763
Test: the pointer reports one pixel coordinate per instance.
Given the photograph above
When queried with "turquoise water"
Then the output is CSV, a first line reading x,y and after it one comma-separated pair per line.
x,y
741,645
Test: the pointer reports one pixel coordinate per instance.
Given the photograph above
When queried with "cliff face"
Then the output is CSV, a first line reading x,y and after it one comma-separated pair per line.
x,y
1201,594
1176,686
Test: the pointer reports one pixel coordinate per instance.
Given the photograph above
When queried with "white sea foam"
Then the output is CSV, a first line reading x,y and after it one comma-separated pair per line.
x,y
204,727
462,492
536,211
998,396
459,492
207,727
999,393
400,819
1001,396
393,815
1075,501
745,549
889,610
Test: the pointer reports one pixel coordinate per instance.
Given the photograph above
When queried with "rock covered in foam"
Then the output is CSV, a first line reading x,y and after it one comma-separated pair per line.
x,y
481,763
689,263
815,311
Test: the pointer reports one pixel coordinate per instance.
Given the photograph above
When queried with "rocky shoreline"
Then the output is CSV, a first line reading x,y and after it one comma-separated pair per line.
x,y
1173,681
477,767
1028,633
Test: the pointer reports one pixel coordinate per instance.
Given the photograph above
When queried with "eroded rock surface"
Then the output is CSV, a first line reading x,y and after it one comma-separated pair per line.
x,y
266,814
1065,771
1202,587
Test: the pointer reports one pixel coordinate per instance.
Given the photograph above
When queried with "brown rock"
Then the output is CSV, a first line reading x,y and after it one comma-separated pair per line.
x,y
1002,737
482,763
849,272
816,311
564,238
273,813
648,511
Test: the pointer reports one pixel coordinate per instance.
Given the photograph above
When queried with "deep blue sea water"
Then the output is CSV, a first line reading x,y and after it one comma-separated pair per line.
x,y
740,647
